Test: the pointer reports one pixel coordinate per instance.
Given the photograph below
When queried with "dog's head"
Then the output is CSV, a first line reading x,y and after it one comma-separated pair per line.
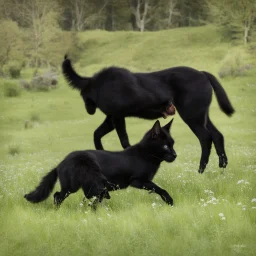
x,y
158,142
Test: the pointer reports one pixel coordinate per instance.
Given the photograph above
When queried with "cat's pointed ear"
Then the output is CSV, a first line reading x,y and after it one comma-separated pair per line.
x,y
168,126
156,129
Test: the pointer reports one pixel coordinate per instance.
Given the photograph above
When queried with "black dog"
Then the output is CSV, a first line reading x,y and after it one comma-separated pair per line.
x,y
119,93
98,171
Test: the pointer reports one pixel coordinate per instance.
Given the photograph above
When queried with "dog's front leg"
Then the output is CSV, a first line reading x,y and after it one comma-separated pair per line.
x,y
149,185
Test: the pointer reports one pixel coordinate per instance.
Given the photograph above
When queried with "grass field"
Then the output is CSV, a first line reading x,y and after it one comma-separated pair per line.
x,y
214,213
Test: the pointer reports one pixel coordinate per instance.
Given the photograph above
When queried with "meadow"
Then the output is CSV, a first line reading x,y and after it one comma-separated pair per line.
x,y
214,213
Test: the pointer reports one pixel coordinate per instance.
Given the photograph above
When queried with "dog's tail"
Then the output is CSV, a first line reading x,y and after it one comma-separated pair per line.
x,y
74,80
221,95
44,189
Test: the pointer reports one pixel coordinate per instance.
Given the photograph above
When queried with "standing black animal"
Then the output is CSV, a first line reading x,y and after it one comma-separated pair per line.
x,y
119,93
98,171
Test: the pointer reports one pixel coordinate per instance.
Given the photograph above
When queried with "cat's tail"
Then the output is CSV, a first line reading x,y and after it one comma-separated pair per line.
x,y
76,81
221,95
44,189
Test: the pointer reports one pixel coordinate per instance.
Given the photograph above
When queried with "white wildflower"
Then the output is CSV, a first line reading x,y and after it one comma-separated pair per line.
x,y
240,181
221,214
153,205
208,191
254,207
223,218
243,208
202,200
253,200
239,203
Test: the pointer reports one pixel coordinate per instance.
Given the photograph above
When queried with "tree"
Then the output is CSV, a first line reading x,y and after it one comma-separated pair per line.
x,y
172,11
82,14
34,16
143,11
11,49
238,17
11,46
168,14
117,13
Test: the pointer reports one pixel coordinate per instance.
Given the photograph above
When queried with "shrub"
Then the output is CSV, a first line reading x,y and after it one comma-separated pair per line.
x,y
34,117
11,89
25,84
12,69
14,150
234,64
44,82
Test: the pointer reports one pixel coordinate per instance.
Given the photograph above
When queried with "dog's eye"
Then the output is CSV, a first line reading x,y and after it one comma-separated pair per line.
x,y
166,147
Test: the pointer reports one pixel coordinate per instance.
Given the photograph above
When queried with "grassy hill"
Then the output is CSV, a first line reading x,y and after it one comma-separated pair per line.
x,y
214,213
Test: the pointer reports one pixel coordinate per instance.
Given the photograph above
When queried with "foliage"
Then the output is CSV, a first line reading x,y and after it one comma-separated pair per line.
x,y
46,47
237,17
80,15
11,88
12,69
235,63
75,47
11,48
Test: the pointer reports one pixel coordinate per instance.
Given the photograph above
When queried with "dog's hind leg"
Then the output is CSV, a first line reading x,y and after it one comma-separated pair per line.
x,y
119,123
205,139
218,141
59,197
95,204
99,198
105,128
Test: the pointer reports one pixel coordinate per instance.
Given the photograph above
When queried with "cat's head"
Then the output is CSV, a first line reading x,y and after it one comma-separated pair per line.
x,y
158,142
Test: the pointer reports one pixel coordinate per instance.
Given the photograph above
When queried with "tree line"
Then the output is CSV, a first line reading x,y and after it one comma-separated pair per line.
x,y
32,29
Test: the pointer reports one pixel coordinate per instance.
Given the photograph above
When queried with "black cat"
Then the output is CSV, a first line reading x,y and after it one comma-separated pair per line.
x,y
119,93
98,171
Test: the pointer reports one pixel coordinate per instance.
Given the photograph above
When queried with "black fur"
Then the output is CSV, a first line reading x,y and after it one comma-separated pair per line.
x,y
44,189
98,171
119,93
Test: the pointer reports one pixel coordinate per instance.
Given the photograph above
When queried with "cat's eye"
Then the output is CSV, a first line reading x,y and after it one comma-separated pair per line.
x,y
166,147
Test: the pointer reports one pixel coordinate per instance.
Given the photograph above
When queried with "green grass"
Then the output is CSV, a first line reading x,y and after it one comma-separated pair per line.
x,y
213,214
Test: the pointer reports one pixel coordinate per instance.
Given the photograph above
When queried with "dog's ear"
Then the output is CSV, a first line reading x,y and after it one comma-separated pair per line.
x,y
168,126
156,129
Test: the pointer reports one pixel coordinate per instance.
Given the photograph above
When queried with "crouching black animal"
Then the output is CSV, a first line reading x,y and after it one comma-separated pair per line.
x,y
98,171
119,93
